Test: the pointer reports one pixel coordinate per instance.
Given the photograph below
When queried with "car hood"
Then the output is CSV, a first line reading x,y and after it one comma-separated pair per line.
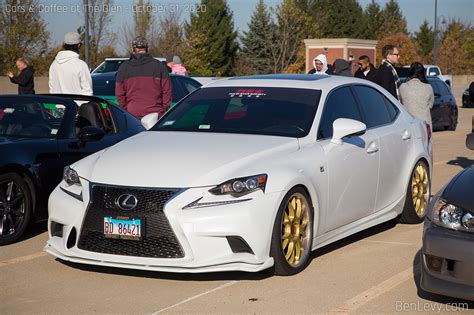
x,y
459,191
183,159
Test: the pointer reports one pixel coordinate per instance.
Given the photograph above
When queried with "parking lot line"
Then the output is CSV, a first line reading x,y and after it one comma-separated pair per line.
x,y
374,292
22,259
223,286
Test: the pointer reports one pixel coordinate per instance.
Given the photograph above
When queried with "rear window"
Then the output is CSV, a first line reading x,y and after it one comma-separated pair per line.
x,y
275,111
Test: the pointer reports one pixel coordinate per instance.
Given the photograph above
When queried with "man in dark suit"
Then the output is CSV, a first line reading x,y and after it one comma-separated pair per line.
x,y
366,69
387,75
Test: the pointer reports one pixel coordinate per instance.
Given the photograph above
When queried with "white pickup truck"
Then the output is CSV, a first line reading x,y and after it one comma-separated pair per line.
x,y
431,71
435,71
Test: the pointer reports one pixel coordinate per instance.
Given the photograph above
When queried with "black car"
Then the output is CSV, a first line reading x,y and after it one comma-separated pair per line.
x,y
39,136
444,114
447,255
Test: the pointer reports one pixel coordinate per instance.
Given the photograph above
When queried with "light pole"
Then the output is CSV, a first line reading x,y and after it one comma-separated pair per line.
x,y
435,43
86,14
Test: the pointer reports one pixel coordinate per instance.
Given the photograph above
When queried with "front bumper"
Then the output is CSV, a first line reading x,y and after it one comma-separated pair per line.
x,y
202,233
452,253
466,101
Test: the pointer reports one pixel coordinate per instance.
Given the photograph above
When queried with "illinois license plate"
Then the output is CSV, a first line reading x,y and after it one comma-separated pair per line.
x,y
127,229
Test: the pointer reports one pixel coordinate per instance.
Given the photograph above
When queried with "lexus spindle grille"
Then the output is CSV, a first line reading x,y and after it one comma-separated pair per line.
x,y
158,239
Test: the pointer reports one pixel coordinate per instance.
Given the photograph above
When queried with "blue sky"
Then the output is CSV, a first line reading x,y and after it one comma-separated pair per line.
x,y
62,16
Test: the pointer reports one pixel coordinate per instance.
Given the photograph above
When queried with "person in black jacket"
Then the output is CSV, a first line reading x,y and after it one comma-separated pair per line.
x,y
366,70
387,76
25,78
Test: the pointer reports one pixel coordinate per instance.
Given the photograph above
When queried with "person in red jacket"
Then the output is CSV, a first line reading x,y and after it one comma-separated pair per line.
x,y
143,85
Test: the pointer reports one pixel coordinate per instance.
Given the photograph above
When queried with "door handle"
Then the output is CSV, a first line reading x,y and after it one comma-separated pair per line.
x,y
373,148
406,135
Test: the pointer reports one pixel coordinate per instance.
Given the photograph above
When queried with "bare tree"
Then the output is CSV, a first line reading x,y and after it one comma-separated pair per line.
x,y
169,39
99,18
143,25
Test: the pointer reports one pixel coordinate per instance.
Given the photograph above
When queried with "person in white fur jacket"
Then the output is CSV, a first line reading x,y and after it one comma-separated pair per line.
x,y
68,74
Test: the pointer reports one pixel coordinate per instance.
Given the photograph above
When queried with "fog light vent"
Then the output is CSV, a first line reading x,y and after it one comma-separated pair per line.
x,y
71,240
238,245
56,229
434,263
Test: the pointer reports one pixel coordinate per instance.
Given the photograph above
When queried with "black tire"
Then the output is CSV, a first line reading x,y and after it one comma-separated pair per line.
x,y
295,235
454,121
15,207
416,200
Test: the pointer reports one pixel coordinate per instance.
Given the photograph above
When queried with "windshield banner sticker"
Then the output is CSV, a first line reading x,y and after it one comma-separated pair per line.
x,y
248,93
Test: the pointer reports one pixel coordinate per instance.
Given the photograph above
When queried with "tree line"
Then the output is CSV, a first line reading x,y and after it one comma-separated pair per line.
x,y
209,44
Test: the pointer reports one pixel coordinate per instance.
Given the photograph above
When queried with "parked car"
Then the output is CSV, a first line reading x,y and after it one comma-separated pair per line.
x,y
444,114
244,174
447,255
468,97
39,136
430,71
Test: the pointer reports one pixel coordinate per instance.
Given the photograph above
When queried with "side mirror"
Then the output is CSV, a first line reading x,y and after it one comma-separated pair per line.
x,y
343,127
149,120
90,133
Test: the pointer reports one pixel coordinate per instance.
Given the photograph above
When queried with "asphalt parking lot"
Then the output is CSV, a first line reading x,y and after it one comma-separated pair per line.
x,y
375,271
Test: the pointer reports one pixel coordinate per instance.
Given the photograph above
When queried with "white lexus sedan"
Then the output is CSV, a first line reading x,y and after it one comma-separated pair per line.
x,y
246,173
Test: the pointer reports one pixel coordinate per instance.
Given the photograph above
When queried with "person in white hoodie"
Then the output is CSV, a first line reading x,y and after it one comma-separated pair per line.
x,y
320,64
68,74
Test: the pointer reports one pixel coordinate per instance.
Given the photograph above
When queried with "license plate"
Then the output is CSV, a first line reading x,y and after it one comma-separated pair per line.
x,y
127,229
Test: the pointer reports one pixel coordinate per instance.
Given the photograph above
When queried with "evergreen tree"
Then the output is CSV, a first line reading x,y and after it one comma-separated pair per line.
x,y
217,43
372,16
255,50
392,20
339,18
424,38
22,33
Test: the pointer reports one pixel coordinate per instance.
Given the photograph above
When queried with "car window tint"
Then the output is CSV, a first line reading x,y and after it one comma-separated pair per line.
x,y
443,88
31,120
373,106
178,92
391,108
339,104
435,87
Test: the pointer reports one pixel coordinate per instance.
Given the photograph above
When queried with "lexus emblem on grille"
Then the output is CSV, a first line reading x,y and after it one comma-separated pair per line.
x,y
126,202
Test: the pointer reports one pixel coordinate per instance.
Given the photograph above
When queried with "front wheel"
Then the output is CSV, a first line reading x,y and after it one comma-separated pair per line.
x,y
15,207
418,195
292,233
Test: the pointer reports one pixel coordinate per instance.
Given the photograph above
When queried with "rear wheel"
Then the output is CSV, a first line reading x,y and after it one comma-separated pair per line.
x,y
292,233
418,195
15,207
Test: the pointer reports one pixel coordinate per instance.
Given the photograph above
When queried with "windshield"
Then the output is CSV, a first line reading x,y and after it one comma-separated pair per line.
x,y
287,112
31,120
108,66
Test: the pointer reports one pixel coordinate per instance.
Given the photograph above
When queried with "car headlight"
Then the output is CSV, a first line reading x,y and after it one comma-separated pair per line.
x,y
70,176
241,186
452,217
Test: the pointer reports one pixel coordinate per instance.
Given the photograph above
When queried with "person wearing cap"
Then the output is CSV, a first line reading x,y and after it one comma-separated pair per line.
x,y
177,67
143,85
68,74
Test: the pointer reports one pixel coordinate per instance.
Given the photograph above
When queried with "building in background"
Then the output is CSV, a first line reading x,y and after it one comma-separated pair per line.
x,y
343,48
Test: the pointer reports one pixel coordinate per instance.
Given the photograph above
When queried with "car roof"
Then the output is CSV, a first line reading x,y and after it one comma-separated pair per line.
x,y
302,81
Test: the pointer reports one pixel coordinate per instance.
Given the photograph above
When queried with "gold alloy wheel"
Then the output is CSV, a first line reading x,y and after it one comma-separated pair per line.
x,y
295,230
420,189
